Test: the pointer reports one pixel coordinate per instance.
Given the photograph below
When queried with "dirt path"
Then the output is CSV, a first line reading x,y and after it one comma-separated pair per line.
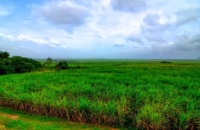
x,y
14,117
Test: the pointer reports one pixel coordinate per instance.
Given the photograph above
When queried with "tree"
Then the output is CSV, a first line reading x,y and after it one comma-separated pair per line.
x,y
4,55
22,64
1,55
4,58
49,61
16,64
5,67
62,65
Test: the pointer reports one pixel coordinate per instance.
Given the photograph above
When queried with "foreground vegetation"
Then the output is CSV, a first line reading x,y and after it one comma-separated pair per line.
x,y
13,120
130,94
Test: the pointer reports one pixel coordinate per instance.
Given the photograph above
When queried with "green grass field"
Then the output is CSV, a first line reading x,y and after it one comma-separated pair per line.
x,y
128,94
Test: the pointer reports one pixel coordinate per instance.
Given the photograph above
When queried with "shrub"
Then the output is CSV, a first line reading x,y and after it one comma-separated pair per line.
x,y
6,69
62,65
165,62
22,64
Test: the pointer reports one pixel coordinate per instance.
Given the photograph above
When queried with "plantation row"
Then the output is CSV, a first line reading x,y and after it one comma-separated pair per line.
x,y
130,94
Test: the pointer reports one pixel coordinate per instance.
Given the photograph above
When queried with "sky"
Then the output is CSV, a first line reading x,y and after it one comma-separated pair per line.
x,y
114,29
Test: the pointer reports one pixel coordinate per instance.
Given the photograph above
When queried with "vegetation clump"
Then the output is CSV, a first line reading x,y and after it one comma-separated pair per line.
x,y
16,64
165,62
22,64
62,65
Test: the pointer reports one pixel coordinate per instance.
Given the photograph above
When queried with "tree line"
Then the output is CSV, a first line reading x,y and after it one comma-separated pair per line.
x,y
18,64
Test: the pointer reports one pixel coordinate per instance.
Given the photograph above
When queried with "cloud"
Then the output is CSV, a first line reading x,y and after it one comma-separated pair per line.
x,y
187,43
118,44
129,5
151,19
7,36
157,23
63,12
135,38
128,27
27,38
188,15
153,30
161,31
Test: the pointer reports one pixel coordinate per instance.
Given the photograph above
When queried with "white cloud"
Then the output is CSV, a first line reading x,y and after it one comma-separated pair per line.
x,y
154,30
122,27
27,38
7,36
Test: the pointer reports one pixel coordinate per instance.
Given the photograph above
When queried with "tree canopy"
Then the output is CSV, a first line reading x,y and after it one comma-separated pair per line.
x,y
22,64
16,64
4,55
62,65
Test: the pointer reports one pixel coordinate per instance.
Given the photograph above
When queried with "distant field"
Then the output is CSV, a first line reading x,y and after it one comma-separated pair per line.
x,y
128,94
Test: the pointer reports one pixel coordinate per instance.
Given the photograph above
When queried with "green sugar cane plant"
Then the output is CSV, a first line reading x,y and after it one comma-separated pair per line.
x,y
128,94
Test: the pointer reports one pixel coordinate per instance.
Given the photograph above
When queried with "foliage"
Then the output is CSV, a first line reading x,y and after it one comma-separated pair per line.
x,y
49,61
21,64
6,69
4,58
4,55
16,64
165,62
141,94
62,65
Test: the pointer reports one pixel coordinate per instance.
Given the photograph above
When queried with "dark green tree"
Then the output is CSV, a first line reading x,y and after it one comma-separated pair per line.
x,y
1,55
4,55
49,61
62,65
22,64
5,67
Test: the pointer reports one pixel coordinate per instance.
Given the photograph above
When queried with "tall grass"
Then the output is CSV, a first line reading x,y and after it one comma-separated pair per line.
x,y
146,95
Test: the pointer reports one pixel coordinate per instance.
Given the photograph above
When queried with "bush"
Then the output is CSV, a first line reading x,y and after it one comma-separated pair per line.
x,y
6,69
16,64
62,65
165,62
21,64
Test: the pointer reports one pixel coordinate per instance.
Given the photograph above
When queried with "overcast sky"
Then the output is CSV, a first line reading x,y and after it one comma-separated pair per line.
x,y
136,29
